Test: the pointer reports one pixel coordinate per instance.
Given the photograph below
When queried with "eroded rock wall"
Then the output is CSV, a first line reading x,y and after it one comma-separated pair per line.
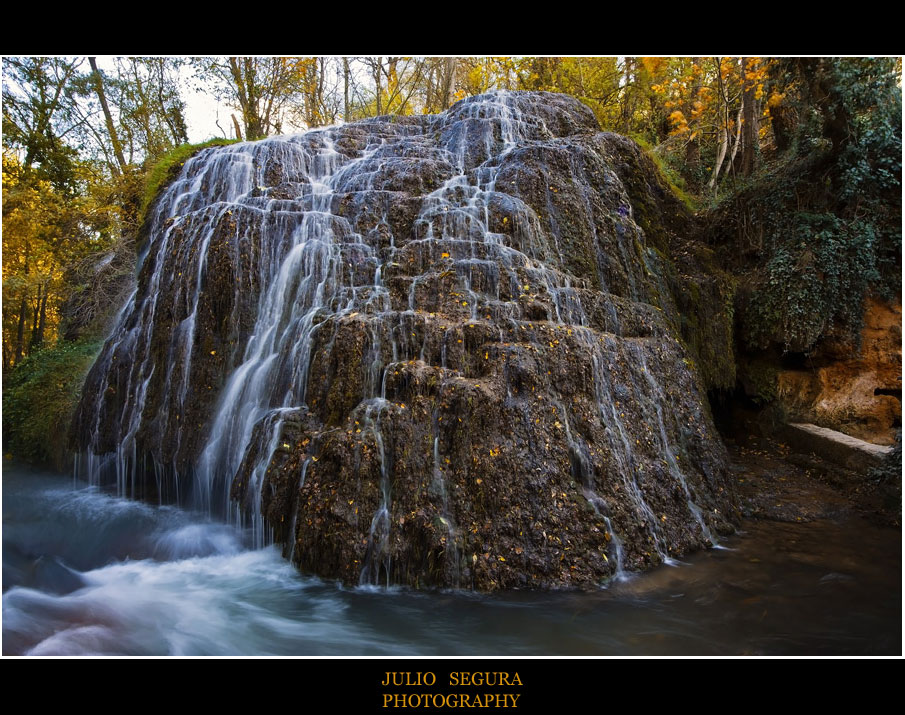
x,y
437,351
855,389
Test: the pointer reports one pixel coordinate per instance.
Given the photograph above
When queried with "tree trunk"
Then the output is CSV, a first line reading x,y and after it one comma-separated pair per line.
x,y
23,312
736,143
693,146
179,136
20,328
783,120
749,123
627,95
449,82
35,313
345,89
377,67
39,319
244,76
724,128
108,118
38,339
720,155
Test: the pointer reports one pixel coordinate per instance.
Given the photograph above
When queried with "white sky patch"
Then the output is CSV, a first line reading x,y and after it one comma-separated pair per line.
x,y
202,110
203,114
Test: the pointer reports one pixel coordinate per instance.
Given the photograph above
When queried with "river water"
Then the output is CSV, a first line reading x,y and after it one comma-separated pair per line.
x,y
85,572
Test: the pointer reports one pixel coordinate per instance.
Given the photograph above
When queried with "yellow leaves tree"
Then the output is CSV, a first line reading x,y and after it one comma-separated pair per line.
x,y
45,233
31,211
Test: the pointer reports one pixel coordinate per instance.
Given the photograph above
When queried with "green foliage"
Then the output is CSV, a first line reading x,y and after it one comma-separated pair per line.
x,y
39,397
670,170
37,112
823,222
165,169
818,272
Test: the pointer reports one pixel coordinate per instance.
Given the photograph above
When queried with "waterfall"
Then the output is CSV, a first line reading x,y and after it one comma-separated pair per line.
x,y
323,289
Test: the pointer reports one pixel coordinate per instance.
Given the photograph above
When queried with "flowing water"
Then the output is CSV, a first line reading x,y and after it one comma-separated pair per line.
x,y
258,252
86,572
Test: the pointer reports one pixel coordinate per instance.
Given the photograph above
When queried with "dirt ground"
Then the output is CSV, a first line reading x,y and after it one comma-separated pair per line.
x,y
776,483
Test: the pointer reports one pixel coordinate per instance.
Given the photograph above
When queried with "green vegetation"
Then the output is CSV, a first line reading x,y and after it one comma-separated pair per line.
x,y
39,398
167,167
671,171
821,223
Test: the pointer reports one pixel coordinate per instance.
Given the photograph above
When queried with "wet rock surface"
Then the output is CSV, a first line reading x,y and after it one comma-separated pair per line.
x,y
437,351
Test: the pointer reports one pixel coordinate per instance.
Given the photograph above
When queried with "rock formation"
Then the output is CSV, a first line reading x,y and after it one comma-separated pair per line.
x,y
436,351
855,389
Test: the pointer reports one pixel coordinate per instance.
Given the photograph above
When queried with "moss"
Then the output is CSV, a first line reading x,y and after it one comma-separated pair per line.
x,y
166,168
673,179
706,304
760,380
39,398
660,208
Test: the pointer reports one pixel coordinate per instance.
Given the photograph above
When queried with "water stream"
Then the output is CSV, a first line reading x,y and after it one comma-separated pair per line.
x,y
86,572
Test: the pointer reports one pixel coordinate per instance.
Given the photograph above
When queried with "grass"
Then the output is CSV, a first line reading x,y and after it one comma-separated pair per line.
x,y
163,171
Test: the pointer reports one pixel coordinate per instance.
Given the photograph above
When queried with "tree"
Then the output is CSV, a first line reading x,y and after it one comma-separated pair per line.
x,y
145,91
38,115
260,88
45,232
319,93
396,81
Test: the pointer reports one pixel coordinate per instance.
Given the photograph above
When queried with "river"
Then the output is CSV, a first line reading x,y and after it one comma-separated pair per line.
x,y
87,573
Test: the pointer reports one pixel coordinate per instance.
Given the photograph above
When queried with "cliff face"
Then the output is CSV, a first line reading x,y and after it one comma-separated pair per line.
x,y
855,389
439,351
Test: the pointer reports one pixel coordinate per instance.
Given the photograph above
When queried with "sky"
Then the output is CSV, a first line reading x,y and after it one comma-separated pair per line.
x,y
202,111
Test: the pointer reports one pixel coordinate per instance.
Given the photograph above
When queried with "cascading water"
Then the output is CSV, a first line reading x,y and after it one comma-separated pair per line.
x,y
418,350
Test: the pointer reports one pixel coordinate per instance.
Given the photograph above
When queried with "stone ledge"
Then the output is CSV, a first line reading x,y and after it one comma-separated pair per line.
x,y
833,446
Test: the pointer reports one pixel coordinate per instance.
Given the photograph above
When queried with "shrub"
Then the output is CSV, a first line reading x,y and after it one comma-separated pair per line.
x,y
39,397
